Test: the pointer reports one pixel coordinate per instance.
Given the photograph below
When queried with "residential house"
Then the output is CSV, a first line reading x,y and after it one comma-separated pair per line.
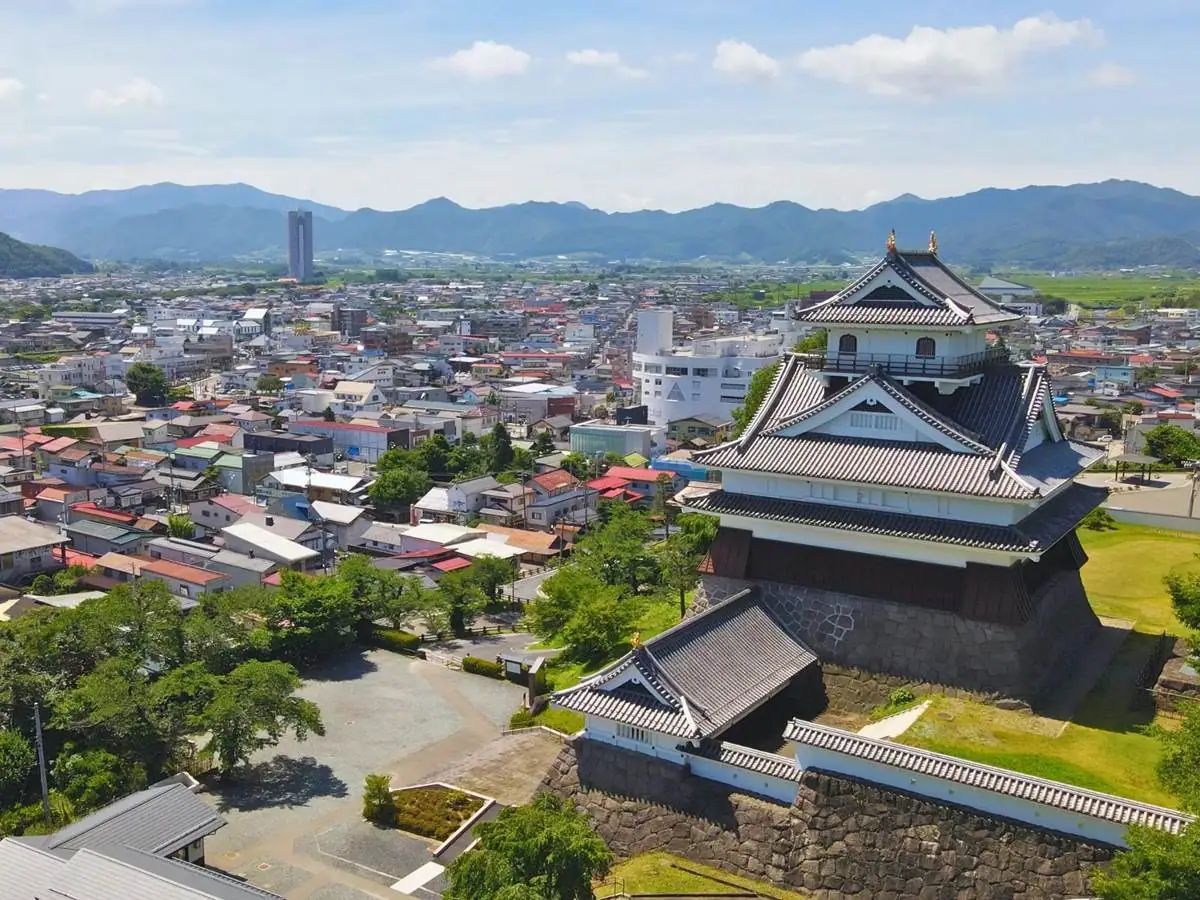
x,y
240,473
214,513
352,397
302,531
538,547
383,537
505,504
250,539
346,524
557,496
99,538
711,428
28,549
315,446
348,489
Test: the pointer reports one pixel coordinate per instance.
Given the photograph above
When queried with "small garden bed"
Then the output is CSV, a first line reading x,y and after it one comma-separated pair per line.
x,y
434,811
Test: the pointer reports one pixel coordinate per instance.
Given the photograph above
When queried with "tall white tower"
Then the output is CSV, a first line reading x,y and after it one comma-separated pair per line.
x,y
655,330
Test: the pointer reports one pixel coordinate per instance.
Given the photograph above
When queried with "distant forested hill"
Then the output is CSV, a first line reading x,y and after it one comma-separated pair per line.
x,y
20,260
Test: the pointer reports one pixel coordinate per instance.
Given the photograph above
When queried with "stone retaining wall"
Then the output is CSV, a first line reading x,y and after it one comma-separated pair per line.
x,y
931,645
841,840
859,691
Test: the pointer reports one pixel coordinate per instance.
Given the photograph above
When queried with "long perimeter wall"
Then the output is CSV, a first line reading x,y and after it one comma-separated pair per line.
x,y
840,839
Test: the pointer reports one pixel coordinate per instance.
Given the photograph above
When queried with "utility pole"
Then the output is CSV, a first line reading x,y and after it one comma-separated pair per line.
x,y
41,755
1192,464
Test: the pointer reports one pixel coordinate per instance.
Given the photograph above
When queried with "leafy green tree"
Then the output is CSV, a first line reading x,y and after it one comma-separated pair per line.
x,y
399,488
756,393
543,444
680,564
492,573
698,530
492,399
94,778
1157,866
17,761
181,526
577,464
502,448
600,624
560,595
328,414
310,618
1172,444
544,851
180,392
815,342
398,458
148,384
140,620
269,384
1179,767
1184,588
378,805
616,552
460,599
253,708
434,455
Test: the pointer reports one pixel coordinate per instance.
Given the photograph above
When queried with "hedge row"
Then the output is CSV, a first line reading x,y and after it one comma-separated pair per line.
x,y
488,667
395,640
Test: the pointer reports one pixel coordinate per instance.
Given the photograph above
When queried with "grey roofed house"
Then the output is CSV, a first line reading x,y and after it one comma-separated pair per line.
x,y
161,819
702,676
933,297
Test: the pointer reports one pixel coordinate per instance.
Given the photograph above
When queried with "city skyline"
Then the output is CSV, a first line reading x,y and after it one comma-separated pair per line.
x,y
699,103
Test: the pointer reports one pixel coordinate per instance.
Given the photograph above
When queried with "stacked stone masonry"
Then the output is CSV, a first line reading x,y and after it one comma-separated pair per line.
x,y
841,840
929,645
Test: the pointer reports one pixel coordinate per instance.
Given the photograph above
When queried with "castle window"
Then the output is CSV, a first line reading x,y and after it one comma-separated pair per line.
x,y
632,733
926,347
847,343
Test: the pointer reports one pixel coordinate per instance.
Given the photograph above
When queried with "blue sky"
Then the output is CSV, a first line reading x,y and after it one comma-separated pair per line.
x,y
619,104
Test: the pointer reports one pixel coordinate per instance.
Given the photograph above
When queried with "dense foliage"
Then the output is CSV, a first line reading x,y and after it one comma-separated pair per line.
x,y
756,393
20,260
544,851
1171,444
148,384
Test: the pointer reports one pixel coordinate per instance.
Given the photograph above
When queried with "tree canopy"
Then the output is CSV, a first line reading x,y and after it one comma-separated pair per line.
x,y
756,393
544,851
148,384
1172,444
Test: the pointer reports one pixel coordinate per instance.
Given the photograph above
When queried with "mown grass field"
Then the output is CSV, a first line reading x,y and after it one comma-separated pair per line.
x,y
1106,746
661,874
1109,290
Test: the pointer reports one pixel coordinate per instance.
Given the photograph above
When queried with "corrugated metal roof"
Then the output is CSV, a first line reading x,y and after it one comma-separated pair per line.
x,y
159,820
25,870
1000,781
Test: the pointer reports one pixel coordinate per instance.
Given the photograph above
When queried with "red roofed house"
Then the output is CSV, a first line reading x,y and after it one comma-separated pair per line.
x,y
556,495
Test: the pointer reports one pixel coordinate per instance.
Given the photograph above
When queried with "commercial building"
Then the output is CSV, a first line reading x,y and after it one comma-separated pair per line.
x,y
300,245
348,320
709,377
598,438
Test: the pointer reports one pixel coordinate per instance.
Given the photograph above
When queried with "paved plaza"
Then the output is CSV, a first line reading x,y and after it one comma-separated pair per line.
x,y
295,824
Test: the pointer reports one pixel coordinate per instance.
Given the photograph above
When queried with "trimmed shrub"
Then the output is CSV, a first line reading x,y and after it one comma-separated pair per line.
x,y
378,805
901,697
395,640
433,812
486,667
522,718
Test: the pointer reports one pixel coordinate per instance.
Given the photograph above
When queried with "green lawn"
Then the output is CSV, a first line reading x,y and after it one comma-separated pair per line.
x,y
661,873
1104,747
1125,569
563,720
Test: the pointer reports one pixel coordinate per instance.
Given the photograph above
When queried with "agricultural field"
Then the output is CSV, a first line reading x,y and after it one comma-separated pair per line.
x,y
1112,289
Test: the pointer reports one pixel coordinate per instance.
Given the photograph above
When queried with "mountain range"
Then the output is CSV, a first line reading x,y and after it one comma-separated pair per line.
x,y
1106,225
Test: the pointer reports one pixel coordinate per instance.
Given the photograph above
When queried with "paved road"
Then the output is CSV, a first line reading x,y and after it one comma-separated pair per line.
x,y
295,826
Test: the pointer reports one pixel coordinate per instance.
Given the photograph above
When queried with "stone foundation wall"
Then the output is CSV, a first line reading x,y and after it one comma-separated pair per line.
x,y
859,691
841,839
929,645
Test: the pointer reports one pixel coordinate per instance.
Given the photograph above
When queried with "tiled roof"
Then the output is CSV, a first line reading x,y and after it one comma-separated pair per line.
x,y
771,764
933,296
1043,528
1000,781
899,464
699,677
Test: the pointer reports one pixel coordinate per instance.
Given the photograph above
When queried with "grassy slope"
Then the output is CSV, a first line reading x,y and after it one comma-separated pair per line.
x,y
654,873
1104,748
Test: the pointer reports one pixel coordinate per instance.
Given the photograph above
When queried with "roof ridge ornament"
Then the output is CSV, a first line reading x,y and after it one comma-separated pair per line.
x,y
933,243
891,241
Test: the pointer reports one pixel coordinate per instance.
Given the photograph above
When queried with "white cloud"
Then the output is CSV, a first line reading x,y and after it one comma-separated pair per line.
x,y
485,60
137,93
743,62
932,61
1112,75
604,59
10,90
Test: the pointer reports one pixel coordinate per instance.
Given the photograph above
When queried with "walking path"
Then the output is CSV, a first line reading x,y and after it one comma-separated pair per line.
x,y
895,725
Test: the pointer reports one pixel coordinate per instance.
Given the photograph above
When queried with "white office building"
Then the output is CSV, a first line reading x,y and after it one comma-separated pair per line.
x,y
708,377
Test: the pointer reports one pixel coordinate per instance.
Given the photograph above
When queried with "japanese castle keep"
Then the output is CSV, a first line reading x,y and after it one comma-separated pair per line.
x,y
905,502
902,508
